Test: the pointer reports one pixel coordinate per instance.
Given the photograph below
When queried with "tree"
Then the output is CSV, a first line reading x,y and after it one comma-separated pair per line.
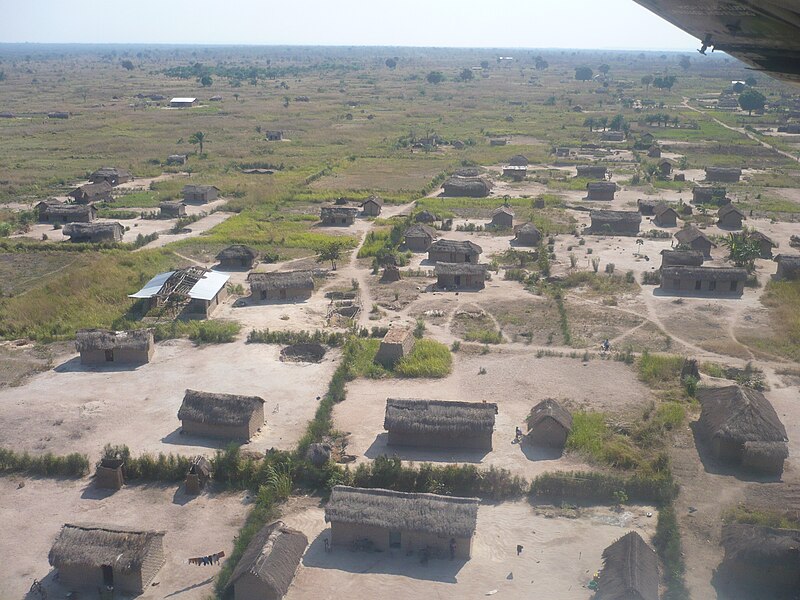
x,y
484,64
198,139
590,123
752,100
751,81
466,75
434,77
83,91
604,69
685,62
647,80
2,75
330,252
206,80
617,123
391,63
602,122
127,65
583,74
743,251
665,83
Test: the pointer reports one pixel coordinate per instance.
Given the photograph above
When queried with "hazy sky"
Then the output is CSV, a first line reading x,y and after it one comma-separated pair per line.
x,y
454,23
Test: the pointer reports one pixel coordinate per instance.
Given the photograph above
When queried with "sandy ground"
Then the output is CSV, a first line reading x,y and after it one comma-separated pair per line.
x,y
516,381
194,526
77,409
559,558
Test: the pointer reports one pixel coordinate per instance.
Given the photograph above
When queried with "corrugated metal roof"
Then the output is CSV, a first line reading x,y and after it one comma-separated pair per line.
x,y
152,287
183,100
209,286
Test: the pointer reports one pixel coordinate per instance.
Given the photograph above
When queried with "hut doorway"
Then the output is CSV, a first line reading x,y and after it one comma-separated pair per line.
x,y
458,280
283,294
109,356
108,575
395,540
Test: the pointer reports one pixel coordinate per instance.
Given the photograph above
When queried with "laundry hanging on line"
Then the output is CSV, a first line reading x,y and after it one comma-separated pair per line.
x,y
210,559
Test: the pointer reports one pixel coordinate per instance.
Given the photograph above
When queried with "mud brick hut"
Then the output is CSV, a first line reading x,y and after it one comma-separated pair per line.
x,y
419,237
723,174
695,239
681,258
172,209
111,175
647,206
519,160
592,171
338,215
742,427
760,560
92,556
92,192
704,281
226,416
397,343
788,266
646,139
407,523
612,136
274,135
601,190
453,251
288,285
198,476
665,167
615,222
467,187
110,474
53,211
502,218
269,563
200,194
440,424
182,102
765,243
515,172
562,152
199,289
654,152
709,195
372,206
528,235
460,276
665,216
729,217
94,233
549,424
630,570
177,159
237,256
425,216
101,346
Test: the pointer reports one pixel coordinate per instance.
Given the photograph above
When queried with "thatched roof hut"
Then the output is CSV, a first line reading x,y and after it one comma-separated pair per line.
x,y
53,211
467,187
94,345
221,415
200,193
681,258
549,424
94,233
630,570
454,251
518,160
647,206
372,206
695,239
198,475
419,237
665,216
723,174
93,555
502,217
765,243
237,256
92,192
172,208
439,423
592,171
285,285
788,266
615,222
454,276
269,563
338,215
111,175
761,559
715,281
425,216
528,235
600,190
729,216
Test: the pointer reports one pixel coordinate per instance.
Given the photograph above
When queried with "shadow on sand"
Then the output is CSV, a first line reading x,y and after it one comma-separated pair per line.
x,y
185,439
432,455
534,453
73,365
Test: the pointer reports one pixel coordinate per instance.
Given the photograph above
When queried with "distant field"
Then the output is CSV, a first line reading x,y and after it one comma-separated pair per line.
x,y
406,176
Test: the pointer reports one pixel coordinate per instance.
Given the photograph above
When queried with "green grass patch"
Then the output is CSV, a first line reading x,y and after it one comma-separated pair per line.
x,y
47,465
783,300
659,370
202,332
758,516
428,359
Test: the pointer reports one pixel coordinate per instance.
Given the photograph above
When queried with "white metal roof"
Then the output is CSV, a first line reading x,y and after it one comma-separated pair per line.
x,y
152,287
183,100
209,286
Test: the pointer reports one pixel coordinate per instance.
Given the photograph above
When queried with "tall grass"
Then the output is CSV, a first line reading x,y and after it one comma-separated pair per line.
x,y
265,336
202,332
659,369
428,359
47,465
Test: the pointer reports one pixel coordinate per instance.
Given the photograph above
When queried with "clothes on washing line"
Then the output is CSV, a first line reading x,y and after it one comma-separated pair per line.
x,y
210,559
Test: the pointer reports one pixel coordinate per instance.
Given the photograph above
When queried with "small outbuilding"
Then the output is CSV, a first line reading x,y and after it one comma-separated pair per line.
x,y
200,194
528,235
502,218
647,206
454,251
729,217
281,286
681,258
654,152
630,570
386,520
425,216
665,167
198,476
788,266
592,172
372,206
600,190
709,195
704,281
460,276
203,290
172,209
110,474
111,175
338,215
765,243
92,192
549,424
182,102
53,211
612,136
269,563
693,238
615,222
467,187
237,256
665,216
723,174
101,346
227,416
95,556
94,233
440,424
177,159
274,135
419,237
396,344
515,172
741,427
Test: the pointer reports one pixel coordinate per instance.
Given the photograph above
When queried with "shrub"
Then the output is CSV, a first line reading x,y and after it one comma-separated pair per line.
x,y
47,465
667,542
428,359
604,488
147,467
202,332
651,278
265,336
484,336
659,369
610,268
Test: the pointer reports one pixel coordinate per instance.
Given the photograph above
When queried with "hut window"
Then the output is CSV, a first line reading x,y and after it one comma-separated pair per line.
x,y
697,284
733,286
712,285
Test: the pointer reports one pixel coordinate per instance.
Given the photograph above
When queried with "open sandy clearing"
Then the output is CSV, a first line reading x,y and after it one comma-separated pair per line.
x,y
559,557
77,409
195,526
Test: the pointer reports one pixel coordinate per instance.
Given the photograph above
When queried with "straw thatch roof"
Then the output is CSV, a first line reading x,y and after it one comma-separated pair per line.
x,y
198,189
630,570
302,280
443,268
111,173
467,186
171,205
95,545
338,211
419,230
73,211
468,172
760,237
502,210
438,417
690,234
723,171
704,273
430,513
376,199
726,209
603,186
425,216
272,557
218,409
789,265
90,190
237,252
761,546
551,409
616,216
103,339
91,231
518,160
662,208
681,258
740,414
458,246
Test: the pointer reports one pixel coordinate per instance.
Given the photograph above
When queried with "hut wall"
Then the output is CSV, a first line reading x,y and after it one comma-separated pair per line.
x,y
762,464
689,285
371,209
470,281
528,239
108,478
338,220
119,356
730,221
344,534
603,227
503,221
702,246
726,450
604,193
249,587
478,441
786,272
723,175
666,219
226,432
193,484
271,295
766,249
179,211
205,308
237,263
418,243
548,432
90,577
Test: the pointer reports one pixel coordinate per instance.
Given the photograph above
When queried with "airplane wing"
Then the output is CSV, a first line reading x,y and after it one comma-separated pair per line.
x,y
763,33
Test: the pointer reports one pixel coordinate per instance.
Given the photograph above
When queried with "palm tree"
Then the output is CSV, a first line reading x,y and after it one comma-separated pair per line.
x,y
198,139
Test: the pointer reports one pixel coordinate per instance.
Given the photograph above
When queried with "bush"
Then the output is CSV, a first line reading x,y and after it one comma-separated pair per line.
x,y
428,359
147,467
651,278
659,369
603,488
484,336
202,332
47,465
265,336
610,268
668,545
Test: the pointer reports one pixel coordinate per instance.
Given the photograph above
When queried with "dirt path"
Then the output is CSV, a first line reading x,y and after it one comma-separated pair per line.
x,y
195,229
